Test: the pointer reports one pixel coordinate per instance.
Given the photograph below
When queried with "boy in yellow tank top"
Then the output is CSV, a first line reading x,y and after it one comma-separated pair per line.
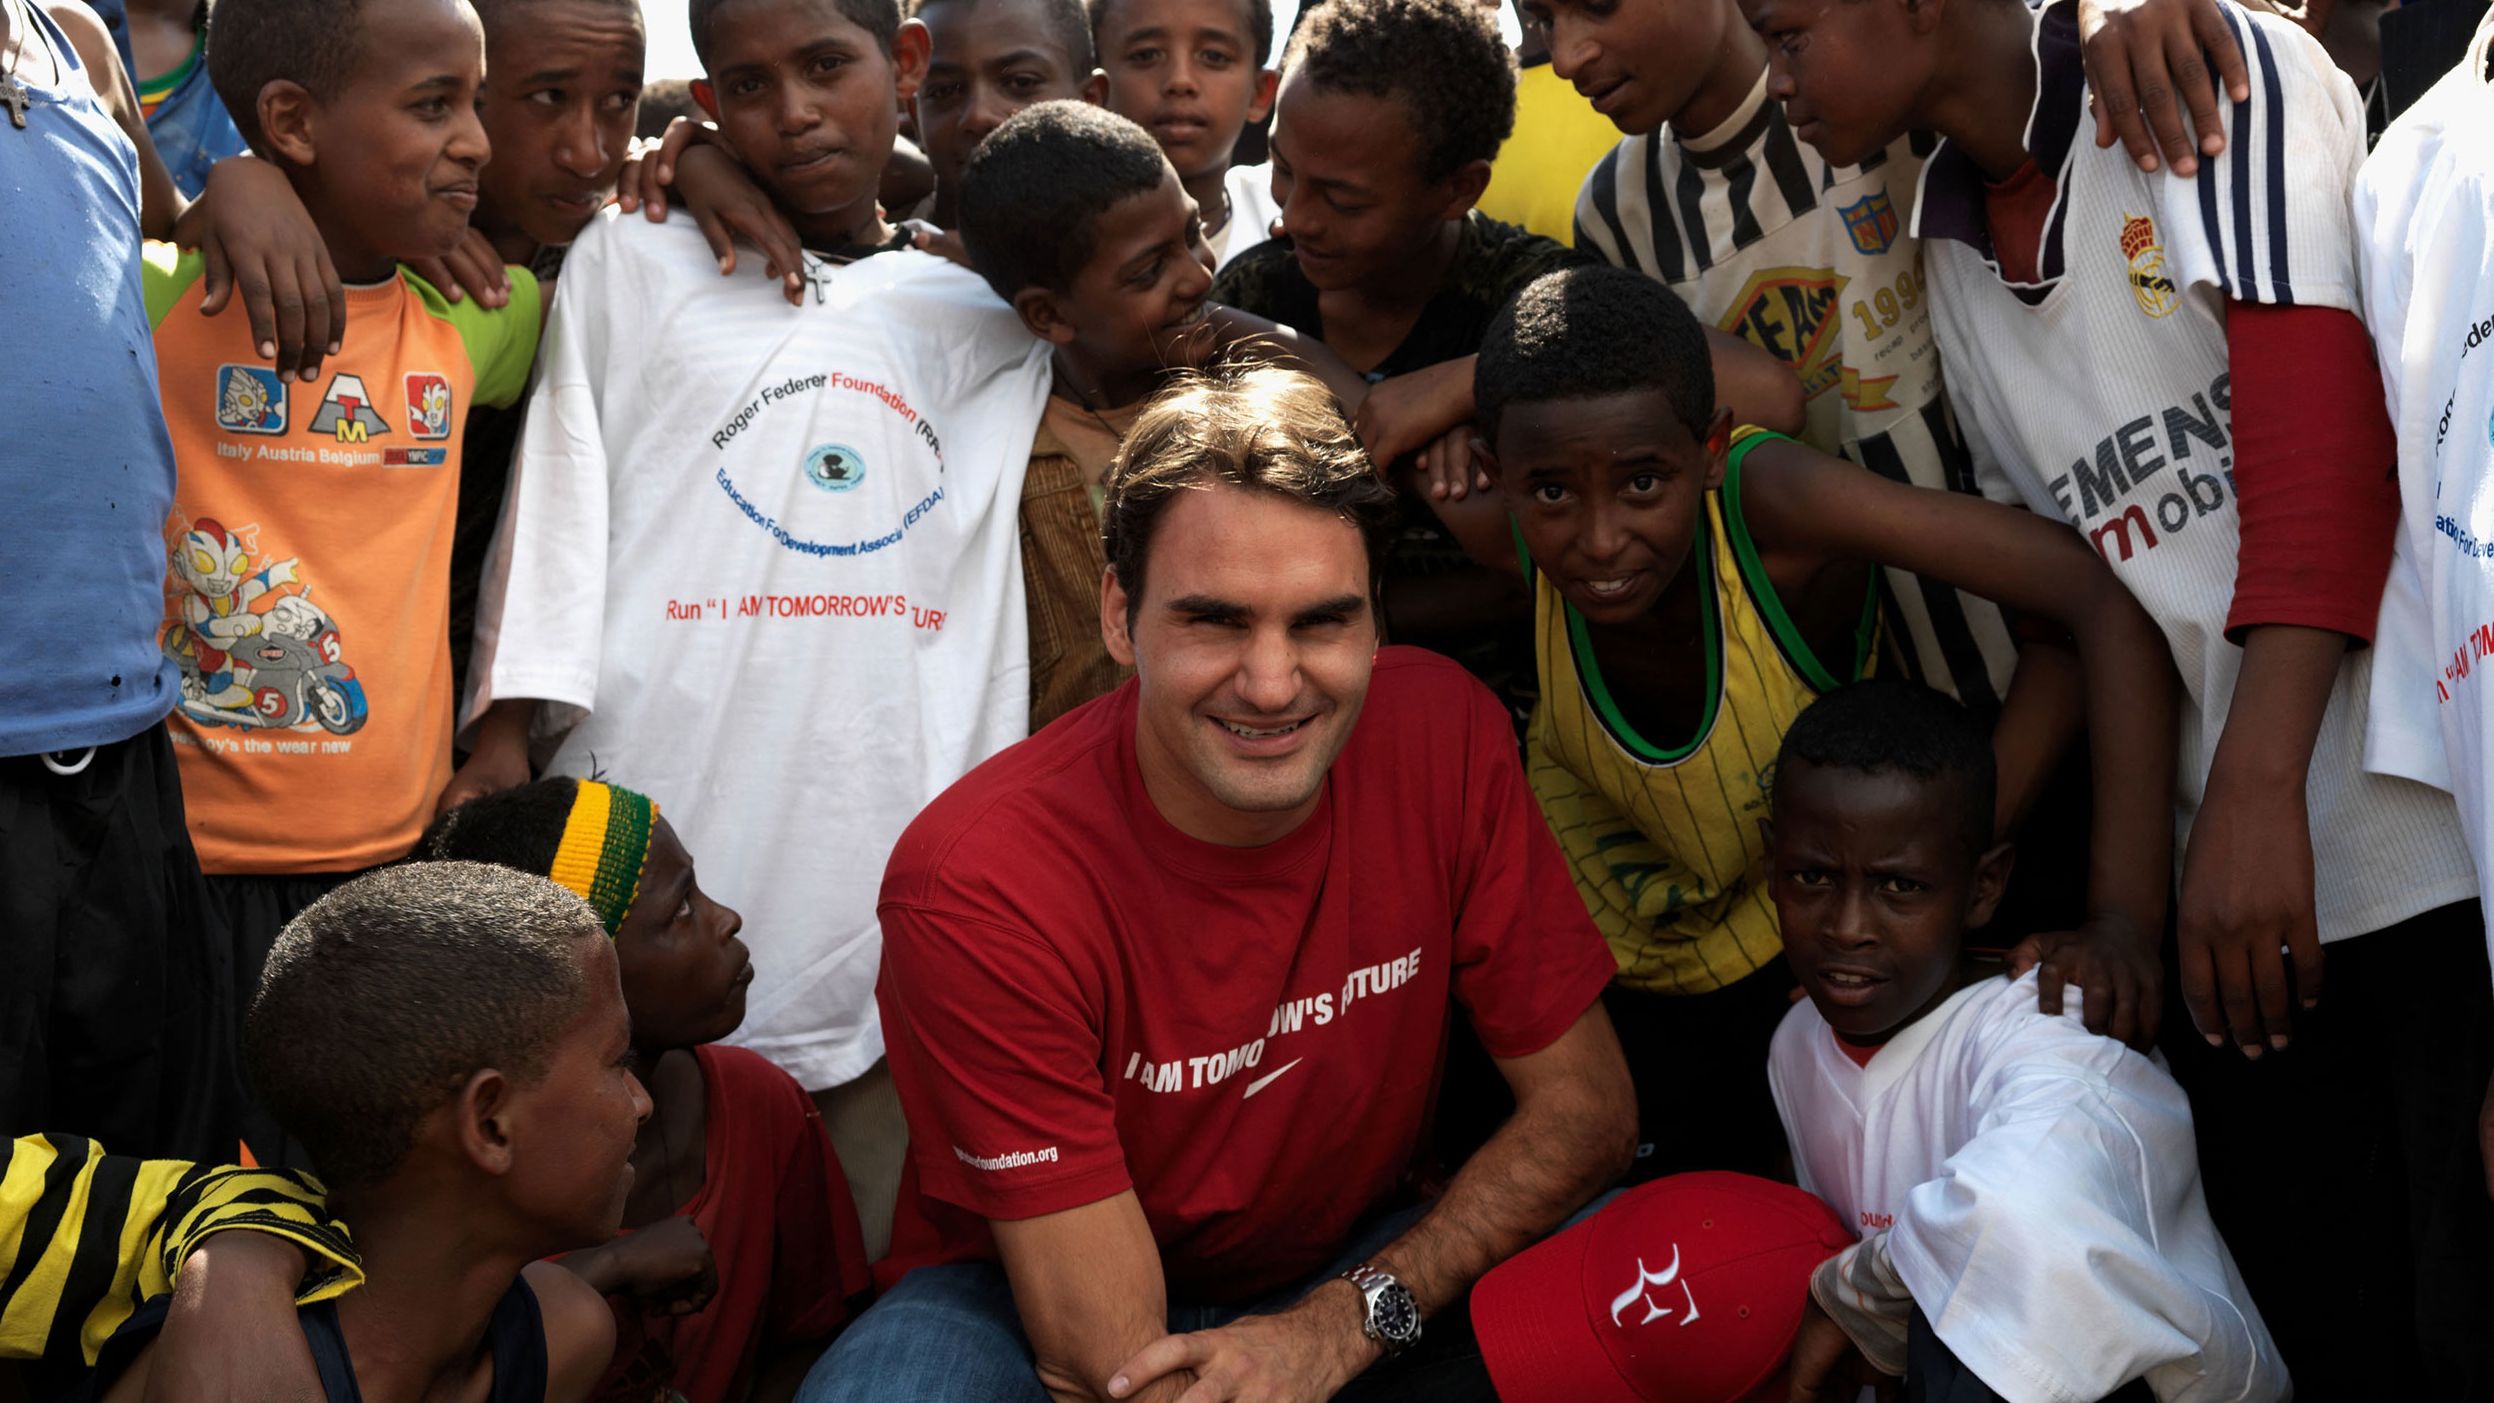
x,y
1696,587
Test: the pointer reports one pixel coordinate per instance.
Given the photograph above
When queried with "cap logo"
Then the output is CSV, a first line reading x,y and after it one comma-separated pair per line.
x,y
1640,1291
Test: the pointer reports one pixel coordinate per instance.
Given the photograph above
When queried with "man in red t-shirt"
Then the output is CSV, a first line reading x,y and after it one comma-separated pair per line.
x,y
1167,987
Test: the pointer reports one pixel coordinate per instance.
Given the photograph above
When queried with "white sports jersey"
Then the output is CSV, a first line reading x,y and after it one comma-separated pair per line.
x,y
2424,211
2035,1189
1811,263
764,563
2099,396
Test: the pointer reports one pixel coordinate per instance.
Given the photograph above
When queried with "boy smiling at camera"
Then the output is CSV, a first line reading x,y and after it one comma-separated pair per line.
x,y
1192,73
1694,588
311,524
2027,1192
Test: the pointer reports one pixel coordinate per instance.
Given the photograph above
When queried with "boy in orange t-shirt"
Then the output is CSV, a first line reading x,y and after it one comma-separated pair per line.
x,y
310,538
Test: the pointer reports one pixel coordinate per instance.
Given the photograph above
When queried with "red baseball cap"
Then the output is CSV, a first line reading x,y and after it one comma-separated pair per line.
x,y
1685,1290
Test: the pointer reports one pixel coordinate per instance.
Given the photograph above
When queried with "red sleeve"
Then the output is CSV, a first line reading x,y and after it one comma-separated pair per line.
x,y
996,1056
2315,470
1528,960
818,1260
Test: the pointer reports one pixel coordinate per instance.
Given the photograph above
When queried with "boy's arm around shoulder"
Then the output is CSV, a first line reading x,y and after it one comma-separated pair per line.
x,y
579,1328
1800,501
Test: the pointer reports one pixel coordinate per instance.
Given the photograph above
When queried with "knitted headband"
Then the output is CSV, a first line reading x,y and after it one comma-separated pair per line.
x,y
605,846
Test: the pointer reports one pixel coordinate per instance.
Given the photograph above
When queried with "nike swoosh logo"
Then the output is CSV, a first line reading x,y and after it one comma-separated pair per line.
x,y
1269,1078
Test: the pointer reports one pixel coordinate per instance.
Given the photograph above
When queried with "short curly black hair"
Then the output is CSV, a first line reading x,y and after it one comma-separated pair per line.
x,y
382,998
1590,331
880,18
1033,193
1893,726
1259,17
253,43
1443,58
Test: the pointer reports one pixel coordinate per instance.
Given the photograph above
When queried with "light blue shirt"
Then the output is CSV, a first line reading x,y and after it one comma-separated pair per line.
x,y
86,468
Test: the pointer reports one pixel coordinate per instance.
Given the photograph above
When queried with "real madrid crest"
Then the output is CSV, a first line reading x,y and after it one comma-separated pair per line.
x,y
2148,280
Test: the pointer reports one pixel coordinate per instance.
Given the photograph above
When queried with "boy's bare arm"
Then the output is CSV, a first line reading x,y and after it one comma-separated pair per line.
x,y
1088,1285
1245,334
580,1331
2247,878
1824,508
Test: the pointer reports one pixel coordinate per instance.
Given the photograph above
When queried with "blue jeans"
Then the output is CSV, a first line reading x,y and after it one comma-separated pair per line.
x,y
950,1334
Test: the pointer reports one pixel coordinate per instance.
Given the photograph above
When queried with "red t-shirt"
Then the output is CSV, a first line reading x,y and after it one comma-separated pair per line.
x,y
776,1211
1078,998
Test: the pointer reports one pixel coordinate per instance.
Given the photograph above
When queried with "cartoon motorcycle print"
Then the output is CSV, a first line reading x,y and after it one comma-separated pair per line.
x,y
294,672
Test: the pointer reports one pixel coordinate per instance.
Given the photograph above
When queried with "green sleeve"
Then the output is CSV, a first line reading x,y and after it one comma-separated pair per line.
x,y
165,273
501,341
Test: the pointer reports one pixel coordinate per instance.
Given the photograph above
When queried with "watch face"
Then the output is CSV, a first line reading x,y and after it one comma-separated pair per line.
x,y
1396,1315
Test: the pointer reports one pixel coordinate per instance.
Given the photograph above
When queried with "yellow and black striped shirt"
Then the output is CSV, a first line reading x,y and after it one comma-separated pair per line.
x,y
1665,841
86,1237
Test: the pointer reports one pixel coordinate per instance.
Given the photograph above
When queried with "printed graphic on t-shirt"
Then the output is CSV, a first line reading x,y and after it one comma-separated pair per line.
x,y
1872,222
250,400
256,653
836,468
2149,282
428,405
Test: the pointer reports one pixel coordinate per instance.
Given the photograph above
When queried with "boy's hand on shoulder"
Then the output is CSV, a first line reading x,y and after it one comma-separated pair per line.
x,y
725,202
1408,413
1827,1367
2143,55
255,237
2246,914
474,268
2115,967
943,243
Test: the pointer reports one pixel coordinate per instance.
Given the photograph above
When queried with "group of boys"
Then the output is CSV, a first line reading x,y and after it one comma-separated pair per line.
x,y
1012,637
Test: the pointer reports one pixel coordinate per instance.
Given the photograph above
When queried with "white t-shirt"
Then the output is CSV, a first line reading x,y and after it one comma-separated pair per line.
x,y
1812,264
2036,1189
2099,396
763,564
1252,211
2423,207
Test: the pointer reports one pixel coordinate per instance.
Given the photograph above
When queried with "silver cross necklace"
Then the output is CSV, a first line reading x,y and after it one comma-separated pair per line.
x,y
13,94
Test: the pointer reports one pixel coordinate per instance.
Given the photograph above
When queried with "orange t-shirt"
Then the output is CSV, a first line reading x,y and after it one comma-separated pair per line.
x,y
309,593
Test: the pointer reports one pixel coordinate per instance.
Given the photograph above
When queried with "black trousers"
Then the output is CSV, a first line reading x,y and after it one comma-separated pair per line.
x,y
116,1008
2344,1171
1700,1066
243,917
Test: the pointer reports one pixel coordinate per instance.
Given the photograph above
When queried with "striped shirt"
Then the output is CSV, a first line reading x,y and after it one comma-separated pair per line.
x,y
86,1237
2098,396
1810,262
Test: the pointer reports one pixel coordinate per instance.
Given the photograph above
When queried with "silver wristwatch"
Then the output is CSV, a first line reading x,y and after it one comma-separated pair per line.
x,y
1393,1316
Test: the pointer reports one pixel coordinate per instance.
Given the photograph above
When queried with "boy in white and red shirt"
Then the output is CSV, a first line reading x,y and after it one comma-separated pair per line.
x,y
2027,1192
1166,987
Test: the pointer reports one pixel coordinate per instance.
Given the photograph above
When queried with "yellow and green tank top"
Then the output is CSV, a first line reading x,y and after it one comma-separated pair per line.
x,y
1664,833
